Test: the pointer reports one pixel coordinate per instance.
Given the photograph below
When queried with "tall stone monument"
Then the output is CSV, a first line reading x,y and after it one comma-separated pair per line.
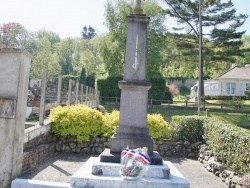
x,y
132,130
14,77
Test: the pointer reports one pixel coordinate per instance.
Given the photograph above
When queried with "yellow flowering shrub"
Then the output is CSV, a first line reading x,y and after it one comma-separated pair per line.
x,y
158,127
78,120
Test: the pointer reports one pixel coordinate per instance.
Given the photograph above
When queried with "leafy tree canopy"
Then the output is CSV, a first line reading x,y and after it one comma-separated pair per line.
x,y
88,32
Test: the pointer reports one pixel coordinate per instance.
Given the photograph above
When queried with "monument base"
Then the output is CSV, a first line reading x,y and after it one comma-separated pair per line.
x,y
107,156
98,174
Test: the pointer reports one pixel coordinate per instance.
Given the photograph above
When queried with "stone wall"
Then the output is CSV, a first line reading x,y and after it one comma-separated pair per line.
x,y
97,145
207,158
38,145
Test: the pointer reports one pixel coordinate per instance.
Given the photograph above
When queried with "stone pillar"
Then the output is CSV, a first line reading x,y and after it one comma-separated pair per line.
x,y
132,130
42,108
69,92
59,90
77,92
14,78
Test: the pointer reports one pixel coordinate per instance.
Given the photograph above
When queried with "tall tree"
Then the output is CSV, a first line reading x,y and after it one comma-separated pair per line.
x,y
114,44
16,36
219,23
88,32
246,45
44,60
65,52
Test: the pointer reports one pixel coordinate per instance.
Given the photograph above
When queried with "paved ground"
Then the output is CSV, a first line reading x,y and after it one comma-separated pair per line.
x,y
60,167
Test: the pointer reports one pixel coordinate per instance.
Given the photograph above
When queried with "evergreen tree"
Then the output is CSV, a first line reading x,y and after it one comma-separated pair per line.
x,y
219,22
83,76
220,25
88,33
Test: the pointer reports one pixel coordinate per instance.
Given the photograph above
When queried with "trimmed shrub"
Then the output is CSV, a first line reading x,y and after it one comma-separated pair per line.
x,y
188,128
109,87
158,127
111,122
247,93
230,145
168,97
157,91
79,121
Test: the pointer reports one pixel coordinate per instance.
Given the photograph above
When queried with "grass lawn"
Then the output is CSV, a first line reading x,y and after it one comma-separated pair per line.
x,y
240,118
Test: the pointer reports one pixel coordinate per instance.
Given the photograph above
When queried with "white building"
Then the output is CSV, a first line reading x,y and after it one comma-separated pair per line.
x,y
234,82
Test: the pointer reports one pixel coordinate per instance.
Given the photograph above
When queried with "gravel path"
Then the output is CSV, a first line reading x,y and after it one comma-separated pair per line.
x,y
61,166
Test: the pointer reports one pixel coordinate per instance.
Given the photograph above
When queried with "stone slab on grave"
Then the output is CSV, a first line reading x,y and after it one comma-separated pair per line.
x,y
156,176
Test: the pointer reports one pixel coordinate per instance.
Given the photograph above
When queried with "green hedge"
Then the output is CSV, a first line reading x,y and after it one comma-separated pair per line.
x,y
157,91
188,128
224,98
85,123
79,121
109,87
230,144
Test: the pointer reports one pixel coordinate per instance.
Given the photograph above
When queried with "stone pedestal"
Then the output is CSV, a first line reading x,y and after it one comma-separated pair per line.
x,y
14,77
132,131
106,175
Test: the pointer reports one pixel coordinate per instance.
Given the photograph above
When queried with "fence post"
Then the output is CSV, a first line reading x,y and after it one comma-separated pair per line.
x,y
42,101
59,90
86,99
186,103
207,112
77,90
221,107
98,98
81,94
69,92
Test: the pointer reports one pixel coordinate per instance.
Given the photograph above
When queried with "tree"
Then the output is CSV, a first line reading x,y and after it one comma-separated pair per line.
x,y
222,35
88,33
246,45
215,16
14,35
114,44
44,60
65,51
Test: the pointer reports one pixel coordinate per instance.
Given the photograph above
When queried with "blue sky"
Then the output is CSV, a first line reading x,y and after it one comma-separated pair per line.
x,y
67,18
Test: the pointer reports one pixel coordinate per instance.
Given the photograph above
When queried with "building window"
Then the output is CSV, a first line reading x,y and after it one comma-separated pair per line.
x,y
230,88
247,86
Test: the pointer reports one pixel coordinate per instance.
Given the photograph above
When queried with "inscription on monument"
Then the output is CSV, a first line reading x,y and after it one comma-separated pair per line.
x,y
7,108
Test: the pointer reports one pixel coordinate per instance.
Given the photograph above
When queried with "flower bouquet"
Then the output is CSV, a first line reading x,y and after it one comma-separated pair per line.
x,y
134,163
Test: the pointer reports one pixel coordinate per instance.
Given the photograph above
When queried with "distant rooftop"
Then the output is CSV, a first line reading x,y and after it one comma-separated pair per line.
x,y
237,73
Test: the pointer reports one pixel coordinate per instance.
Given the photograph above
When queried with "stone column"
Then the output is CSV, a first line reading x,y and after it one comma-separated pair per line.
x,y
132,130
59,90
69,92
14,78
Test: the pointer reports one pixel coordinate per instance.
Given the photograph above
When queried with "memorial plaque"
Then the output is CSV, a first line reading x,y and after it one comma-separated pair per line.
x,y
7,108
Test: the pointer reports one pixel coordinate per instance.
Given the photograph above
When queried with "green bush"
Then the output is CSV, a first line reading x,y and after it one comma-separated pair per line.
x,y
247,93
230,145
109,87
158,127
157,91
188,128
111,122
168,97
79,121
